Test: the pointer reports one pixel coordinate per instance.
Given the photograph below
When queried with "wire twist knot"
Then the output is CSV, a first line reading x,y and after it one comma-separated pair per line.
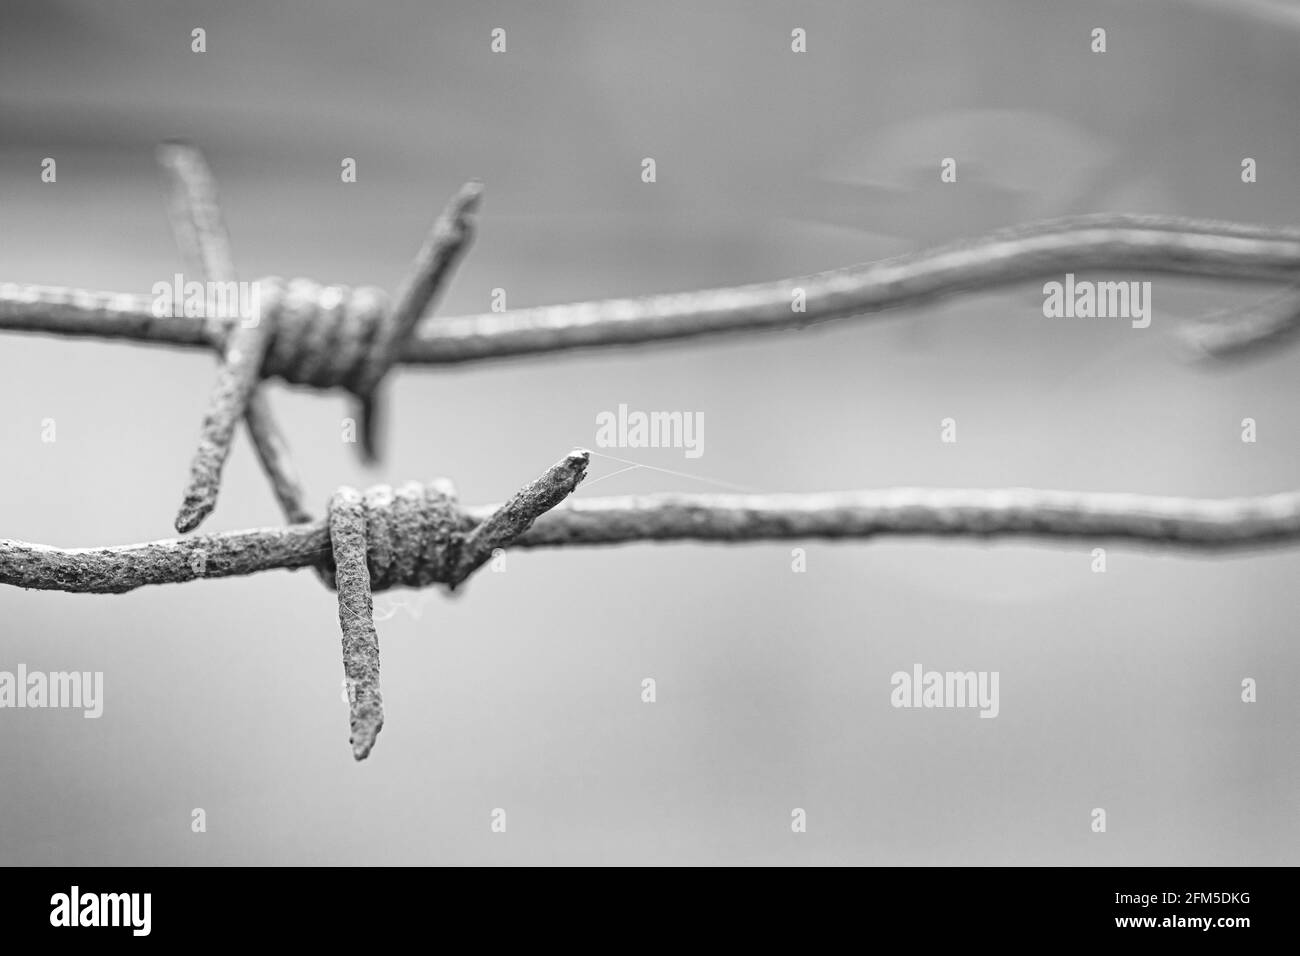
x,y
305,333
413,534
326,336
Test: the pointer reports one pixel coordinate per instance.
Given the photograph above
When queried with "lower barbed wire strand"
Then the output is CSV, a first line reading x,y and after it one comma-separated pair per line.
x,y
1205,525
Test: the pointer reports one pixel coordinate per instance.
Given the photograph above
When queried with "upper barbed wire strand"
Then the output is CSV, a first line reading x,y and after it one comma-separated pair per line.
x,y
1128,243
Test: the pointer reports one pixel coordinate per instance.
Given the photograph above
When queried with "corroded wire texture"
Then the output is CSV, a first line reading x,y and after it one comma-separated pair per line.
x,y
1194,524
1128,243
419,535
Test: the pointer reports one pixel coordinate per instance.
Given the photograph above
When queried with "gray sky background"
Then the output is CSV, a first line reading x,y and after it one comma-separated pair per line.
x,y
1118,690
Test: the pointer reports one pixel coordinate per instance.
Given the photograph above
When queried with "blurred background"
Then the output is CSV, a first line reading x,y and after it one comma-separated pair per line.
x,y
1118,690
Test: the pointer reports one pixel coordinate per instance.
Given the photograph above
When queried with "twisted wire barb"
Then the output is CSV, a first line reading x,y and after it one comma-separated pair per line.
x,y
201,234
1250,330
254,347
446,243
413,537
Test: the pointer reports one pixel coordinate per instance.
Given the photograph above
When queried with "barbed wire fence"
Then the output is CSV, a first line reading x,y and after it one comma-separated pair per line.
x,y
418,535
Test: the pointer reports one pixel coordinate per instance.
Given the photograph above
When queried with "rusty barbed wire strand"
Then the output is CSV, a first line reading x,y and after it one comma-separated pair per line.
x,y
418,535
1192,524
1129,243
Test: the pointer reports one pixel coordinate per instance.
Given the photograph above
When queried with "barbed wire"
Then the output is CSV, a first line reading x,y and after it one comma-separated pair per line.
x,y
1208,525
419,535
1130,243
